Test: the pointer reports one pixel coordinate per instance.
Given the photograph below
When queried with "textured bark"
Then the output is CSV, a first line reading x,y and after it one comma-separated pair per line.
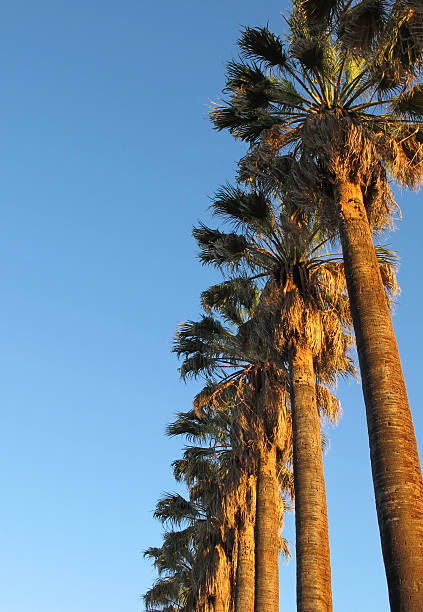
x,y
244,597
311,521
219,605
266,594
396,471
222,586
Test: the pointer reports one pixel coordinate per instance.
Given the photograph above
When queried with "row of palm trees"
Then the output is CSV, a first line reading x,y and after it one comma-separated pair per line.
x,y
331,115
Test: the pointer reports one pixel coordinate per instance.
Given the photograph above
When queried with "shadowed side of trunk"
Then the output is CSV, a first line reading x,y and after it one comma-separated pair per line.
x,y
396,471
266,595
311,522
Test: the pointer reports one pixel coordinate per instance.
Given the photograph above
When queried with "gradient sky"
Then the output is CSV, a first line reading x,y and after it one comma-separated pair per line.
x,y
107,160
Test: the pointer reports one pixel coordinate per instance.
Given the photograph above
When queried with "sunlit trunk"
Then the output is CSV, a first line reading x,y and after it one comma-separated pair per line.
x,y
219,605
244,597
311,522
397,478
222,586
266,595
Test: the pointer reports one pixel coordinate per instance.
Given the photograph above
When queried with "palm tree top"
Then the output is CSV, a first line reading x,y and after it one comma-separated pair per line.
x,y
304,290
304,283
341,94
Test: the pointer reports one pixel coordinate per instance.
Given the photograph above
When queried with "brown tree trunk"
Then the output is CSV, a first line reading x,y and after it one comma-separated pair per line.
x,y
396,471
222,587
244,597
266,594
219,605
311,521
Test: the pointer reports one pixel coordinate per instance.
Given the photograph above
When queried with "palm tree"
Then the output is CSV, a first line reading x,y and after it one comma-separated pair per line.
x,y
256,390
196,559
304,313
210,567
174,563
195,563
291,307
341,99
237,479
223,478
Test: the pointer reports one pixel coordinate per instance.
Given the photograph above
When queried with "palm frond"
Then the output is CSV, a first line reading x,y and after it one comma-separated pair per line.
x,y
153,552
207,335
309,51
410,104
163,593
317,11
218,248
405,41
387,256
244,124
239,207
284,548
287,97
195,428
362,24
259,44
244,76
388,265
174,509
239,291
176,543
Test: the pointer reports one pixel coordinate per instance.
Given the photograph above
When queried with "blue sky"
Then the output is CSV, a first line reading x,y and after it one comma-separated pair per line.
x,y
107,160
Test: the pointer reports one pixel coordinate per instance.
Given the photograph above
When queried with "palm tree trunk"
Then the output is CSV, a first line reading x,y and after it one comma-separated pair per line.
x,y
311,521
219,605
222,587
221,598
396,471
266,594
244,597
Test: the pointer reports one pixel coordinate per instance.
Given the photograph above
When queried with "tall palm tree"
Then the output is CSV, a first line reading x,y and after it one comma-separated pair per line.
x,y
214,431
233,492
305,314
197,557
210,568
256,389
174,563
265,250
342,98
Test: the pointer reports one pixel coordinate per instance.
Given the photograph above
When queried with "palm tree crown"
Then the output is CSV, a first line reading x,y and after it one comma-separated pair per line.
x,y
339,96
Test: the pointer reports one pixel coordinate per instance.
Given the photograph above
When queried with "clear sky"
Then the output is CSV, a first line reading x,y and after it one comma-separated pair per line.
x,y
107,160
